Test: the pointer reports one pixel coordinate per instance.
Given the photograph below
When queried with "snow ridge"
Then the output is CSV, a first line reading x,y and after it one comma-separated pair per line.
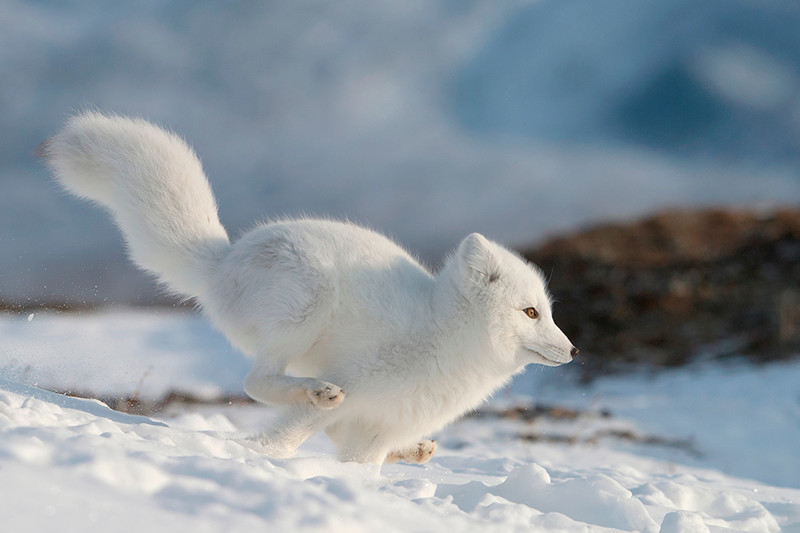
x,y
75,465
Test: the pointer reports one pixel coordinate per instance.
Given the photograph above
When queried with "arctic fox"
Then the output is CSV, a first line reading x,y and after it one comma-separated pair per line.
x,y
347,330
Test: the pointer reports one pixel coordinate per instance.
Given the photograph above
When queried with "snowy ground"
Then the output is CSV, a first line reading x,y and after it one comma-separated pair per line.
x,y
722,452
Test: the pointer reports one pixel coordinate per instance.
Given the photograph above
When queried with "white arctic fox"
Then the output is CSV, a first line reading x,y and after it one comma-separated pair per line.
x,y
347,330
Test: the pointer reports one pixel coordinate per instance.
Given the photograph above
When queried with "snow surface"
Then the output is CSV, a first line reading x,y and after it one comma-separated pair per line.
x,y
69,464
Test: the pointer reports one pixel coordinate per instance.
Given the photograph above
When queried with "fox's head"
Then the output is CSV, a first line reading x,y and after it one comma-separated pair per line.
x,y
513,295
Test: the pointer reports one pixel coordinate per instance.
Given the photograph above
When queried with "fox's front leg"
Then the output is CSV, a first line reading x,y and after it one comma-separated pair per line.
x,y
367,443
421,453
298,423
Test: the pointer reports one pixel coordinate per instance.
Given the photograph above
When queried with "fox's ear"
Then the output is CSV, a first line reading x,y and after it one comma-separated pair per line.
x,y
476,259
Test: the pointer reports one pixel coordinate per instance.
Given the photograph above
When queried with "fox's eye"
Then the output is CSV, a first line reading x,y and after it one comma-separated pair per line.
x,y
531,312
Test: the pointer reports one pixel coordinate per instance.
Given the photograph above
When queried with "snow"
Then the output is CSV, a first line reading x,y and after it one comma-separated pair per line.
x,y
120,353
742,419
71,464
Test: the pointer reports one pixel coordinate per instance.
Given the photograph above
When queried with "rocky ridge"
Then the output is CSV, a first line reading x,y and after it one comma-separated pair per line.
x,y
678,286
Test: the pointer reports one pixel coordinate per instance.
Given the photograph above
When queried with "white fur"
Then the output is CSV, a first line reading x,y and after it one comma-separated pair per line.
x,y
348,331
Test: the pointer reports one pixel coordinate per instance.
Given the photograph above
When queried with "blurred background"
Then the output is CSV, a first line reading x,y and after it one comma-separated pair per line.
x,y
427,120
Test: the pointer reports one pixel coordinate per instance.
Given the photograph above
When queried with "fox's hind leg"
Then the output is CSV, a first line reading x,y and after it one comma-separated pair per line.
x,y
268,383
309,402
272,300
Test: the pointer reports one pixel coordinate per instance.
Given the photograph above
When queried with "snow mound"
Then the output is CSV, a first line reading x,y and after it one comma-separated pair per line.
x,y
70,464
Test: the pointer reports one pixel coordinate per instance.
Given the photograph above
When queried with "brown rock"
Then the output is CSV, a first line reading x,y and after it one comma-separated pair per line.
x,y
677,286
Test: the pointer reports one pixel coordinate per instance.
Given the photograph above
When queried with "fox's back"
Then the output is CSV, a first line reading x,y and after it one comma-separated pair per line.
x,y
376,282
360,283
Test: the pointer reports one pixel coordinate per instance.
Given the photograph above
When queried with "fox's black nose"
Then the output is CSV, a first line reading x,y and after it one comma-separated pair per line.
x,y
574,351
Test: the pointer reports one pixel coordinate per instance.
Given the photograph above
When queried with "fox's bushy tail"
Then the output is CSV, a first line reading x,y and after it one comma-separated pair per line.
x,y
154,186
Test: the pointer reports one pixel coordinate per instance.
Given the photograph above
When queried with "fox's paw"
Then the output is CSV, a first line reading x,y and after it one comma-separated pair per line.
x,y
328,396
421,453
